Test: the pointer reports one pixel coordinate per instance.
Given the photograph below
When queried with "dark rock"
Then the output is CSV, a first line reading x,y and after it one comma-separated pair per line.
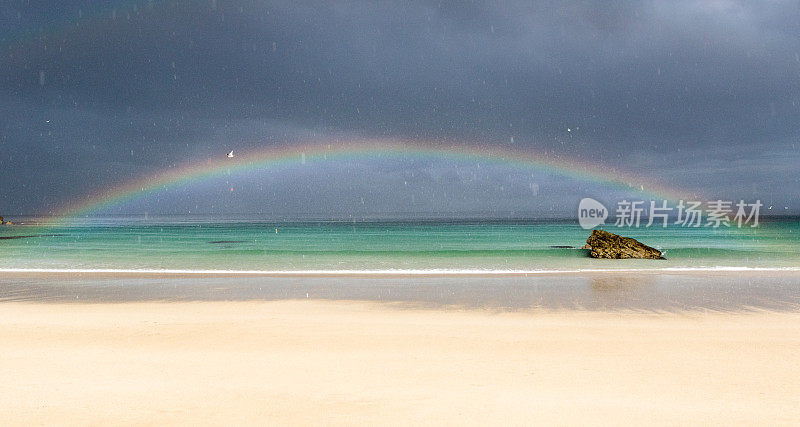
x,y
561,247
27,237
609,245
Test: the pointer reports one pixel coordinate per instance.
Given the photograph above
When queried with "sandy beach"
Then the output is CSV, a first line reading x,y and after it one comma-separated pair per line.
x,y
428,213
339,362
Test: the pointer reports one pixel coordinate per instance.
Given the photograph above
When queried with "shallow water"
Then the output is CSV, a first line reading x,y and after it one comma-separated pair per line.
x,y
442,248
282,246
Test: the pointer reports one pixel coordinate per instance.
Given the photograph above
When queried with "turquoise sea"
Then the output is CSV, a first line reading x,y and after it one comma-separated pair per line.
x,y
253,245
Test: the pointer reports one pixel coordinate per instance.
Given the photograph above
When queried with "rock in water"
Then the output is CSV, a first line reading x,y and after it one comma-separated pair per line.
x,y
609,245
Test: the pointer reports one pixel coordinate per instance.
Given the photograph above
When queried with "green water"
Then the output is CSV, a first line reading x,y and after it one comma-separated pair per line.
x,y
193,245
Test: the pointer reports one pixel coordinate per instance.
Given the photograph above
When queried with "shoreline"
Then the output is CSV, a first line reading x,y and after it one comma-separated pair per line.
x,y
585,291
398,273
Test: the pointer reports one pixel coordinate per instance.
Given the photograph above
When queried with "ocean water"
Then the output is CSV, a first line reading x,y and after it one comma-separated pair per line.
x,y
185,244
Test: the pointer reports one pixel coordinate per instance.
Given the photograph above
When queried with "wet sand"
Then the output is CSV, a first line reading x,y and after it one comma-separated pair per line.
x,y
347,362
606,291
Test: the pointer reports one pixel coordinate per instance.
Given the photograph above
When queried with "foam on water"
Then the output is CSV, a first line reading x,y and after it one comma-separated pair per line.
x,y
443,272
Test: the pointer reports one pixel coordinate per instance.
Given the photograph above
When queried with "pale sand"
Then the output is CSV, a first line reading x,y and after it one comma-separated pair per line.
x,y
315,362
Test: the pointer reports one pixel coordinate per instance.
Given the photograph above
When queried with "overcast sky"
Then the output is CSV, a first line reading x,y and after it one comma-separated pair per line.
x,y
701,95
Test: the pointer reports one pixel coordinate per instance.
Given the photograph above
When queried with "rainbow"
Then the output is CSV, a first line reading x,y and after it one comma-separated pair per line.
x,y
275,156
16,48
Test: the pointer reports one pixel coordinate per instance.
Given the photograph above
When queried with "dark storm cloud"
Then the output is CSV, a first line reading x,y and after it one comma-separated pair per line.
x,y
704,95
